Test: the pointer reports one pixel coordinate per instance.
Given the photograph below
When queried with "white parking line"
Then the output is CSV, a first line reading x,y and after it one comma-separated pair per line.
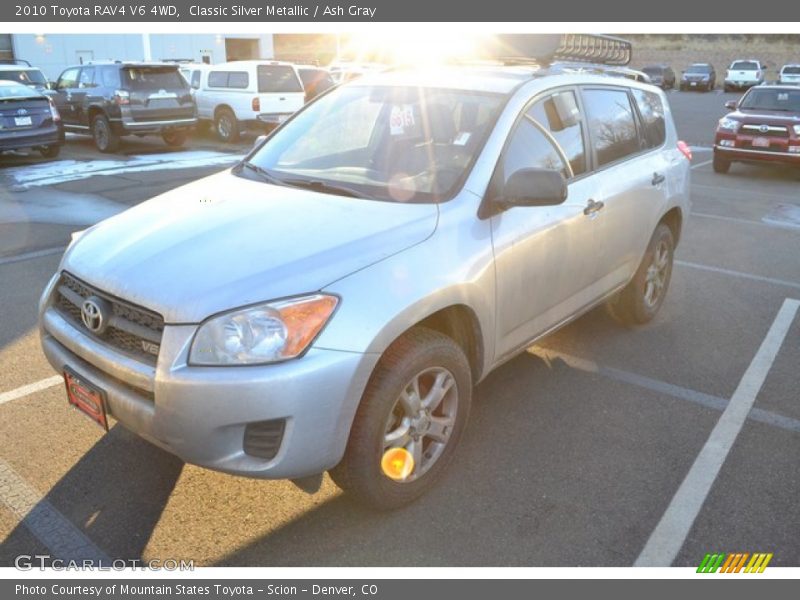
x,y
739,274
31,388
702,164
63,539
30,255
669,535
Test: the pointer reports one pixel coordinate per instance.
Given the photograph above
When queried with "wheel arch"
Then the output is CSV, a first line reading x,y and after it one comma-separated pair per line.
x,y
673,219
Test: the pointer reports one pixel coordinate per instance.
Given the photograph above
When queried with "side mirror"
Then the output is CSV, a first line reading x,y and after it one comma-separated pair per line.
x,y
731,104
534,187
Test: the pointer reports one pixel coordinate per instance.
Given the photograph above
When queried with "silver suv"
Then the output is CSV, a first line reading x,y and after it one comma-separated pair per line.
x,y
330,302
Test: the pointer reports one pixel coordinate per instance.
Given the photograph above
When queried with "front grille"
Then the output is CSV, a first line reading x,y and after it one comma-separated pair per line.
x,y
131,329
778,131
263,438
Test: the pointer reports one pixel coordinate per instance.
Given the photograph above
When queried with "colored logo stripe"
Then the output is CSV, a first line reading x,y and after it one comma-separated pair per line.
x,y
734,562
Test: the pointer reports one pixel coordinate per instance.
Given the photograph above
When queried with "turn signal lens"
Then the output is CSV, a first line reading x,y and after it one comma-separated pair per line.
x,y
685,149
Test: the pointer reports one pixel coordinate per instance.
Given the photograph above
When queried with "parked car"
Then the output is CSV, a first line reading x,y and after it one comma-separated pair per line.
x,y
315,80
249,94
743,74
661,75
763,127
699,76
789,74
28,119
21,71
111,100
331,300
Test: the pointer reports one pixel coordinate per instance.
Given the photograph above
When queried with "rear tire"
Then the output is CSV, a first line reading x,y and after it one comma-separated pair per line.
x,y
105,138
174,138
50,151
721,165
639,301
226,125
399,409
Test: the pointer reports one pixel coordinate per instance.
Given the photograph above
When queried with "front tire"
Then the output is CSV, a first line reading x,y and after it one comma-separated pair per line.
x,y
639,301
721,165
419,399
105,138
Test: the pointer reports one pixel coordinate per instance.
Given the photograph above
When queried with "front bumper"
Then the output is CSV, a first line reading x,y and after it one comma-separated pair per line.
x,y
741,85
200,413
31,138
749,154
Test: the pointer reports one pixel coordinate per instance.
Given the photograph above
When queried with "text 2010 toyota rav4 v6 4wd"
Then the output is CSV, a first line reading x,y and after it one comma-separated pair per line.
x,y
328,303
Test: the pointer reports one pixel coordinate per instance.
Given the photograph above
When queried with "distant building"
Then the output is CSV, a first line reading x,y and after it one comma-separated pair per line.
x,y
54,52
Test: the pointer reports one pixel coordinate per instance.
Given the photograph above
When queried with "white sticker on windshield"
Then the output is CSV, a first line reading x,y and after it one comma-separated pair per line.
x,y
402,117
462,138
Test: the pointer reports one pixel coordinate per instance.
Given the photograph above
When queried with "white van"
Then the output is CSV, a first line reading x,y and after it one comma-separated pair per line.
x,y
248,94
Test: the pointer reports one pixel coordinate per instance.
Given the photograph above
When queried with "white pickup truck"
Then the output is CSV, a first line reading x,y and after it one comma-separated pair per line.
x,y
744,74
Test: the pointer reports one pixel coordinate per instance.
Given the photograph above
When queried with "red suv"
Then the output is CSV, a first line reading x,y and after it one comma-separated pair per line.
x,y
764,126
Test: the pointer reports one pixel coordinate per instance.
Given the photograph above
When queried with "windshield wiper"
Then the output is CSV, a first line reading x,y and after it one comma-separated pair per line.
x,y
260,171
323,187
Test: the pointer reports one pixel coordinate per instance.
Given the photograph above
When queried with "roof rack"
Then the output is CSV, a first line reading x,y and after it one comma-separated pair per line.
x,y
542,50
15,61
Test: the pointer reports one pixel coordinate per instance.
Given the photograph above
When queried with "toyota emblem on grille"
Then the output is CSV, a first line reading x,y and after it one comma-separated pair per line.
x,y
22,111
93,314
764,128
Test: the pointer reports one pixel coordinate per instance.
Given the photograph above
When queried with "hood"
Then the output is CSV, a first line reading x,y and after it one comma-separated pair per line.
x,y
765,116
224,241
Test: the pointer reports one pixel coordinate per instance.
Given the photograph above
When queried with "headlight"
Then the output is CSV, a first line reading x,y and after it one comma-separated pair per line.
x,y
729,124
261,334
796,129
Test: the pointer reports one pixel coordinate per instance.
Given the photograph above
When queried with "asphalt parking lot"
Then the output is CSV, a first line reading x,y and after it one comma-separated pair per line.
x,y
578,451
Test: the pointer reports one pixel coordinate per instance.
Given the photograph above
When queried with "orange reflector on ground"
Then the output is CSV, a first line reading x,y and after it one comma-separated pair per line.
x,y
397,463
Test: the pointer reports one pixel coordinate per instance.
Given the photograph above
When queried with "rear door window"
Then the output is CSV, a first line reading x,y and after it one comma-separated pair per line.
x,y
278,79
612,125
651,109
108,76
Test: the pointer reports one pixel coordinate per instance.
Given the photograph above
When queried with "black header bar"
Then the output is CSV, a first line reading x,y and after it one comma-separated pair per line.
x,y
785,14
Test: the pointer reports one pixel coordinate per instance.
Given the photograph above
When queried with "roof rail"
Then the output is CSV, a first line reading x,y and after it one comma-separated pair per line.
x,y
543,49
15,61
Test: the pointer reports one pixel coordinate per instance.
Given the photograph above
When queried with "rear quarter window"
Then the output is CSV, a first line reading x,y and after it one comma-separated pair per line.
x,y
278,79
612,125
651,109
238,80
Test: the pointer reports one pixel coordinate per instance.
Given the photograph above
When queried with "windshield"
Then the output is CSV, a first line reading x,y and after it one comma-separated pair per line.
x,y
782,100
791,70
652,70
703,69
153,78
403,144
24,76
17,91
744,65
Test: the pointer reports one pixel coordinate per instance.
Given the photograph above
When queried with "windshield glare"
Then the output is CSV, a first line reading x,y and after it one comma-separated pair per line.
x,y
782,100
389,143
698,69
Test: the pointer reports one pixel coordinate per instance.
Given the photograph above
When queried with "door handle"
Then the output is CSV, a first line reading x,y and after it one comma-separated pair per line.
x,y
657,178
592,207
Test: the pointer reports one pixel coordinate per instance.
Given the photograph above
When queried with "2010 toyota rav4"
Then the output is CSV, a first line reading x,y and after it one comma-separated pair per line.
x,y
329,302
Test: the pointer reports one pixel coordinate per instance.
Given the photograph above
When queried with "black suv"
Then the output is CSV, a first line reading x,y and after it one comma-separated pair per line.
x,y
661,75
110,100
